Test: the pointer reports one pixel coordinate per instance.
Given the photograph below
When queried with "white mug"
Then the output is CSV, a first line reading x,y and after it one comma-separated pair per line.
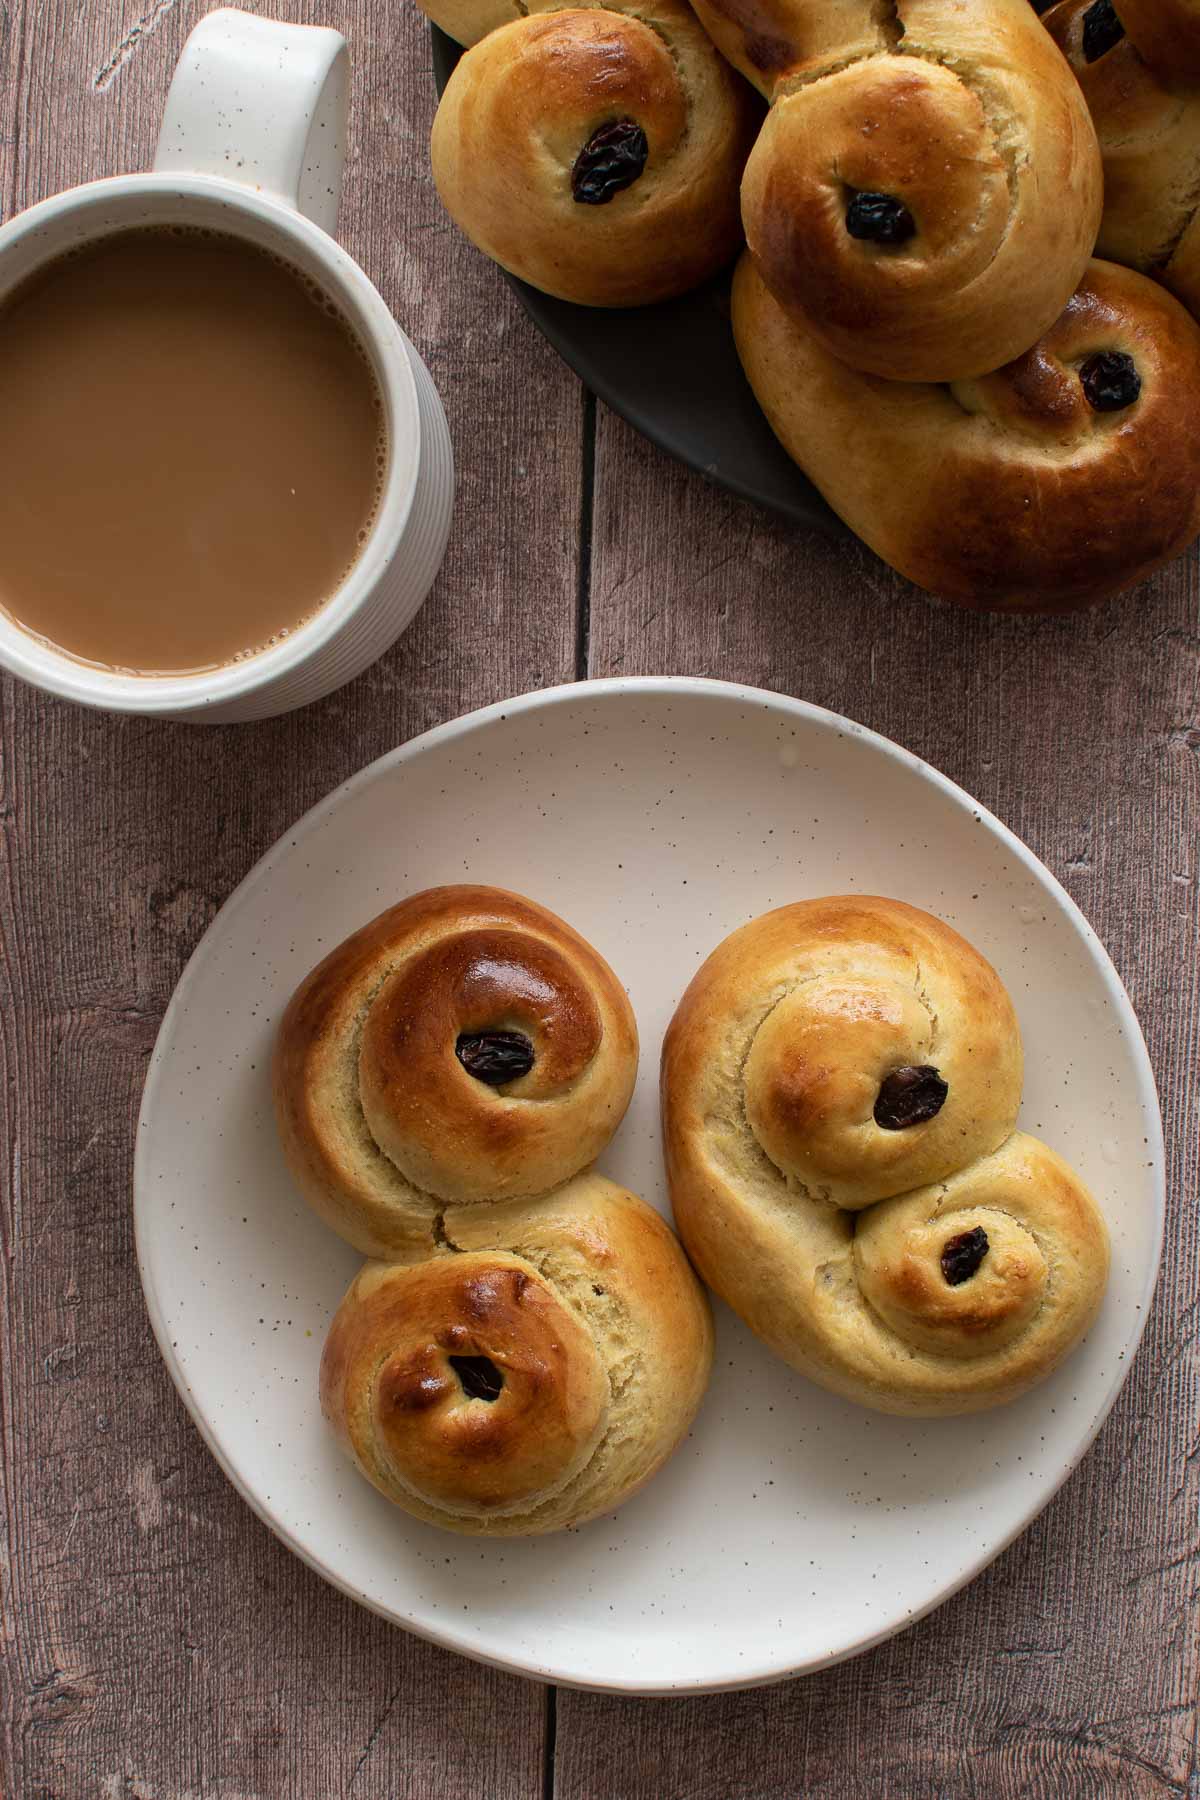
x,y
252,144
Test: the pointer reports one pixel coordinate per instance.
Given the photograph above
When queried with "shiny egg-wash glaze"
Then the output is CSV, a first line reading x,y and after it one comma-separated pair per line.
x,y
932,1264
583,1304
595,152
368,1051
926,189
1054,482
528,1344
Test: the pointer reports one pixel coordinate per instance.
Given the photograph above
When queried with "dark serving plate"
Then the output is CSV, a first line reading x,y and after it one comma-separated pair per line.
x,y
673,372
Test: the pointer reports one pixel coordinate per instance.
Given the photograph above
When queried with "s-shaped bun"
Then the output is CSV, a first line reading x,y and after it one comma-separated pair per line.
x,y
1054,482
529,1343
840,1084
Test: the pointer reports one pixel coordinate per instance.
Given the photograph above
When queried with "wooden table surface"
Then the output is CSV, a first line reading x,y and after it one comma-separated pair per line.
x,y
158,1642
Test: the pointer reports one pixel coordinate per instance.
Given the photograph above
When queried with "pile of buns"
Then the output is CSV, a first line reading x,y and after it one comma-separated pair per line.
x,y
528,1343
1006,420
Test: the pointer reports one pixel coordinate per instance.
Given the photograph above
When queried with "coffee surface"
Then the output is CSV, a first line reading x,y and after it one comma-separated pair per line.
x,y
191,449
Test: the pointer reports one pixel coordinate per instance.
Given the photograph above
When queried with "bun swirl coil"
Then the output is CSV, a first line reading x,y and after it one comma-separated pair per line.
x,y
382,1122
534,1374
840,1084
528,1343
1138,64
1047,486
926,189
596,151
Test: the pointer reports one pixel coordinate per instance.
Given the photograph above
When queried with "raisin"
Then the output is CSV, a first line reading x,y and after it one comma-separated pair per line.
x,y
478,1377
962,1255
879,219
1110,380
495,1056
612,159
1101,30
909,1096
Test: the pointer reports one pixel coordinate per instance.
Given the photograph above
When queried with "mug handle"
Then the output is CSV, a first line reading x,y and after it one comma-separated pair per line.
x,y
262,104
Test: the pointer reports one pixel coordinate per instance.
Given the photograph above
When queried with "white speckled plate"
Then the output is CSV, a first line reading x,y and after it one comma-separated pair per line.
x,y
793,1528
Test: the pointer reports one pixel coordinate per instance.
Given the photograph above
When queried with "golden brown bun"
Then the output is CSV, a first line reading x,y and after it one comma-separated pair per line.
x,y
1010,491
802,1014
965,123
509,144
1143,90
960,1292
381,1123
532,1374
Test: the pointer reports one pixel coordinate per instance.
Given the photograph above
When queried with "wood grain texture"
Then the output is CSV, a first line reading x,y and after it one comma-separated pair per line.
x,y
1070,1668
158,1643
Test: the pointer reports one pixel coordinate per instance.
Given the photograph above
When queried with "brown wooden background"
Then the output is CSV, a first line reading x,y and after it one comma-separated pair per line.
x,y
158,1643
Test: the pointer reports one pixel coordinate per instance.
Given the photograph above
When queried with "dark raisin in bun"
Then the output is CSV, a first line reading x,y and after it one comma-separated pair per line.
x,y
1067,475
596,152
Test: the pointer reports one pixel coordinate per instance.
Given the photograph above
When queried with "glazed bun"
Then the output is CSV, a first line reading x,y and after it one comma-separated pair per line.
x,y
1000,1267
840,1084
926,190
530,1343
465,1045
1057,481
596,152
534,1375
1138,65
888,1055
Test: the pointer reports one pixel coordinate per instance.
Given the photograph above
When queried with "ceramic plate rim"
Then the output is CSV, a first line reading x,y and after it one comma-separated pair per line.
x,y
480,719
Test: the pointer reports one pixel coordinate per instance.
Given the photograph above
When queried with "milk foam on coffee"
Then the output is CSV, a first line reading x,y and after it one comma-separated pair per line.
x,y
192,449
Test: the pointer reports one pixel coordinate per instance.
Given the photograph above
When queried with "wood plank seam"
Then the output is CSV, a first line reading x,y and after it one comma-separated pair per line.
x,y
587,497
